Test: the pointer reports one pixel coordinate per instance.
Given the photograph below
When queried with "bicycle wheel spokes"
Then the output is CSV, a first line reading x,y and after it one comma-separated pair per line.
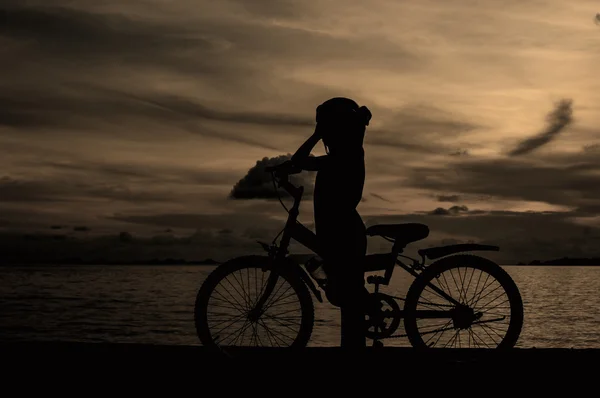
x,y
481,319
232,322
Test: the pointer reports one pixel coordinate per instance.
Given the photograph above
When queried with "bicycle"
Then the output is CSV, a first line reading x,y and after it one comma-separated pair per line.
x,y
260,312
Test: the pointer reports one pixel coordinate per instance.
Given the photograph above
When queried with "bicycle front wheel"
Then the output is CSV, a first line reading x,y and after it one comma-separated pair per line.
x,y
463,301
224,316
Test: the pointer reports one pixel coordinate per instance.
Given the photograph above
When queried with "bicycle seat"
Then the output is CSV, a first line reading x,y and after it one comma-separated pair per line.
x,y
410,232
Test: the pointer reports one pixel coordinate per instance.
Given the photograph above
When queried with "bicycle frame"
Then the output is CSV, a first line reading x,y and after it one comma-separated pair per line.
x,y
373,262
290,231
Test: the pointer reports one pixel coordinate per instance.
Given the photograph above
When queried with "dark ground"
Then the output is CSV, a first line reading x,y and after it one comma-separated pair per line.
x,y
377,369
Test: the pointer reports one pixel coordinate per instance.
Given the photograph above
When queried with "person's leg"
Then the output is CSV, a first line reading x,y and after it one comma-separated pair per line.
x,y
354,293
353,323
344,247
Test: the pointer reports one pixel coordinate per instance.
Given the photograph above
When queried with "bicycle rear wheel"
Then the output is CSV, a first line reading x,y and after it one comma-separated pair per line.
x,y
223,309
488,312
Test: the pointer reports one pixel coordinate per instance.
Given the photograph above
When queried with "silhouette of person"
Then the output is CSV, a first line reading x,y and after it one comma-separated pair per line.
x,y
340,231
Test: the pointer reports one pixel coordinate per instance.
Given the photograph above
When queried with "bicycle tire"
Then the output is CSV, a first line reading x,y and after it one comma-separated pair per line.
x,y
457,261
247,262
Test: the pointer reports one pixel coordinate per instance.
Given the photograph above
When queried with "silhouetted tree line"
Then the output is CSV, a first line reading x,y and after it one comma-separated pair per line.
x,y
566,261
101,261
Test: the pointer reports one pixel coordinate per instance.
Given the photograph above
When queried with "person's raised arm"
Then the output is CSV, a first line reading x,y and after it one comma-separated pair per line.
x,y
302,158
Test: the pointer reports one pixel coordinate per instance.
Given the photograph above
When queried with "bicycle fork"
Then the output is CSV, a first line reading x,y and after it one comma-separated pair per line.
x,y
276,258
259,308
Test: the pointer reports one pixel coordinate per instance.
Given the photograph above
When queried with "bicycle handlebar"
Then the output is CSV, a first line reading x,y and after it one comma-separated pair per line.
x,y
282,171
285,168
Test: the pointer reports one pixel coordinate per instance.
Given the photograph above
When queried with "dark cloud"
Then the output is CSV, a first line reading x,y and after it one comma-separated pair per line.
x,y
271,8
85,36
120,171
591,147
192,109
558,120
461,152
422,129
566,180
235,221
257,184
121,247
64,40
380,197
448,198
522,236
63,59
125,236
454,210
150,174
386,138
75,110
215,46
430,121
289,45
61,190
19,191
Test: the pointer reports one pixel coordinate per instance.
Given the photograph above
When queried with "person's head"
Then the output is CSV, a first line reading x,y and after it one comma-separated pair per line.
x,y
342,123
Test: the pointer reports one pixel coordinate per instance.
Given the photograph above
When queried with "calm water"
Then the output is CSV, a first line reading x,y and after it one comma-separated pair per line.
x,y
153,304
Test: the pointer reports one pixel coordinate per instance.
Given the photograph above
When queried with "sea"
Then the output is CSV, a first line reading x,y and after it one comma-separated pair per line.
x,y
154,305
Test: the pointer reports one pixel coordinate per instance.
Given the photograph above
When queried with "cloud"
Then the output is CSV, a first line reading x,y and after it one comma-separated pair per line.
x,y
62,190
13,190
380,197
558,120
61,109
522,236
270,8
424,129
591,147
454,210
448,198
88,36
222,44
121,247
239,220
118,58
257,184
461,152
566,180
193,109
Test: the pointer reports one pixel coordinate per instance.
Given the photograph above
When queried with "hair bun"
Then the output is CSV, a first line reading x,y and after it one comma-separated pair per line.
x,y
365,114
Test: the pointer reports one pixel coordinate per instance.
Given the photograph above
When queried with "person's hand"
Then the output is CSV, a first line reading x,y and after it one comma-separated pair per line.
x,y
318,133
287,165
284,168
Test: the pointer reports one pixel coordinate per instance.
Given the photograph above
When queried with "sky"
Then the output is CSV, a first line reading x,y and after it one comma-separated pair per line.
x,y
127,128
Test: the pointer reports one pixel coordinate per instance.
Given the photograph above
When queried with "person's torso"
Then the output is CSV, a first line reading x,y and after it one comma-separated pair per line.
x,y
339,189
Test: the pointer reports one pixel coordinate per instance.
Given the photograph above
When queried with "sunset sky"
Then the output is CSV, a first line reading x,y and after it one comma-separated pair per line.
x,y
141,116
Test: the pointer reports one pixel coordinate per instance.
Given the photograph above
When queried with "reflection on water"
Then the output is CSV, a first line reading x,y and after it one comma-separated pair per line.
x,y
154,304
